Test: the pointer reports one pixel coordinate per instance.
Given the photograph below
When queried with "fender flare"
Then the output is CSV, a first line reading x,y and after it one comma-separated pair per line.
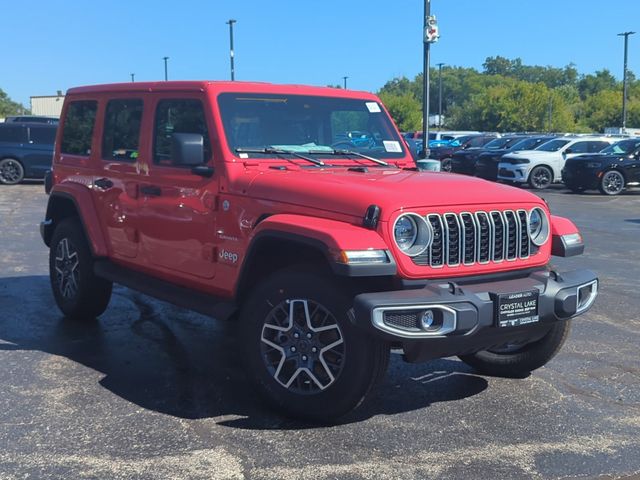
x,y
329,237
560,227
81,197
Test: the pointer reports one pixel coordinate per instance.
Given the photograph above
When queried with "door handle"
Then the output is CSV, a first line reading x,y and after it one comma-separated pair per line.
x,y
103,183
151,191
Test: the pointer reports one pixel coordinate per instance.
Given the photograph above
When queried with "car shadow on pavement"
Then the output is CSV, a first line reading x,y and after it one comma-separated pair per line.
x,y
175,362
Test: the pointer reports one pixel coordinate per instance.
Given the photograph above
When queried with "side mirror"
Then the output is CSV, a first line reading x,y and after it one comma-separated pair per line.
x,y
187,149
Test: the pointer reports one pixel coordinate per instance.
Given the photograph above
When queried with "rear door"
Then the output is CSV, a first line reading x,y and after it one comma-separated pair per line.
x,y
39,150
177,207
116,180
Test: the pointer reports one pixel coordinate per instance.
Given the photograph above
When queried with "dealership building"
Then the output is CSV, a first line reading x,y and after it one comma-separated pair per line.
x,y
49,105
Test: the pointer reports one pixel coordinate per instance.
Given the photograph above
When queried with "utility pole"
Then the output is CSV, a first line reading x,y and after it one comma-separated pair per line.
x,y
166,72
430,36
550,112
440,95
624,80
231,54
345,82
133,77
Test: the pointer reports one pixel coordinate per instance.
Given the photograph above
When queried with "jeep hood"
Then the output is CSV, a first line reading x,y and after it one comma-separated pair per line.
x,y
342,191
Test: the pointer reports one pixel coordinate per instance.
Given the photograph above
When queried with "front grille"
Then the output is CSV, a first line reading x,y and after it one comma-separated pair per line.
x,y
481,237
507,173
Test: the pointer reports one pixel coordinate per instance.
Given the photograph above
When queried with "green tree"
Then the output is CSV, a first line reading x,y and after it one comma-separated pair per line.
x,y
9,107
405,110
592,84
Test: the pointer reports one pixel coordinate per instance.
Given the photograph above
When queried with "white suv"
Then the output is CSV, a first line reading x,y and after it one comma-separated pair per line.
x,y
543,166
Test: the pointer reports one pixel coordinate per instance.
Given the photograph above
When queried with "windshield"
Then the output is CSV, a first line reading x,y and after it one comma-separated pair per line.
x,y
623,147
552,145
307,124
498,143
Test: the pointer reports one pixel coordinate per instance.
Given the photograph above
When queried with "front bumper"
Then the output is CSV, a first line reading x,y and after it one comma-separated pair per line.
x,y
468,313
518,173
463,164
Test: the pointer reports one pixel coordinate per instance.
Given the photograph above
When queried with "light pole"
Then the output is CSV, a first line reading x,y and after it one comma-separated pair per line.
x,y
166,72
345,82
624,79
440,95
231,54
133,77
430,35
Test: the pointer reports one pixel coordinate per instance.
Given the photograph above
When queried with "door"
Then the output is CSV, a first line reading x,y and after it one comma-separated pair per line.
x,y
39,150
115,184
177,207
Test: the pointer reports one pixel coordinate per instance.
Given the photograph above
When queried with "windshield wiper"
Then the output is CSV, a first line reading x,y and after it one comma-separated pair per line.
x,y
347,153
280,151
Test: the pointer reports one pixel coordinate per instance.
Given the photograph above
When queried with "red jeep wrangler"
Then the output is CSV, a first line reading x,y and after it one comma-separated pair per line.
x,y
298,212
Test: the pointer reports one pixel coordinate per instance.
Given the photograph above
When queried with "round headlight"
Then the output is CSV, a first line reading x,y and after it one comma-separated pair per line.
x,y
412,234
538,226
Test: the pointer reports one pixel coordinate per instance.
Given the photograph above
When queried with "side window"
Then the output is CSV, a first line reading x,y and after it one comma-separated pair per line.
x,y
121,134
78,127
42,135
13,134
597,146
580,147
478,141
178,116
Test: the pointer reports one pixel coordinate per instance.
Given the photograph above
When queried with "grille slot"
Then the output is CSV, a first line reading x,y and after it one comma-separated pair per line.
x,y
480,237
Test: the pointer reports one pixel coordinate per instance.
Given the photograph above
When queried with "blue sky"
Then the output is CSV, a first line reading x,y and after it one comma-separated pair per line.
x,y
50,45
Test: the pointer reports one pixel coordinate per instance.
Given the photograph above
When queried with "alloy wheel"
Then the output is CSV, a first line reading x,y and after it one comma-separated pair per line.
x,y
66,265
612,183
302,346
540,178
11,172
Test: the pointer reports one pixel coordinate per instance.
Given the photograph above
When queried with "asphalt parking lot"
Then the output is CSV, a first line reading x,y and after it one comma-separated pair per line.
x,y
152,391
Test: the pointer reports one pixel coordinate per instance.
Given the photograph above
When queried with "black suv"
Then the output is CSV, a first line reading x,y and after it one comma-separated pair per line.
x,y
33,119
26,150
445,152
610,171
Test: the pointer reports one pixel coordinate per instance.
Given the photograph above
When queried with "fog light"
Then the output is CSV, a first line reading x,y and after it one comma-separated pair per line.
x,y
427,319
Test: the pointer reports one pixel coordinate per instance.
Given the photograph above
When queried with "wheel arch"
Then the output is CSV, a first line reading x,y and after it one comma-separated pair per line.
x,y
554,177
74,201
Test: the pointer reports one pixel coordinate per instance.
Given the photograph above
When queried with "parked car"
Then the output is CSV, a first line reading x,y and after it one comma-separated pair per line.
x,y
445,153
543,166
26,150
611,171
439,138
32,119
464,161
486,165
312,250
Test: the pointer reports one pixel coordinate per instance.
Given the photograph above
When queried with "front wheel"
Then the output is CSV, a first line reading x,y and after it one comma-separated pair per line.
x,y
301,352
445,165
520,359
612,183
11,171
540,177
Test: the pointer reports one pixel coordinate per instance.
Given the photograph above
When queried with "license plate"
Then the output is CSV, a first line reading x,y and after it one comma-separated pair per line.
x,y
517,308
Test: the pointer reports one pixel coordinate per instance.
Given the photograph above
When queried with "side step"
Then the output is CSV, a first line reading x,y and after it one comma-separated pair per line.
x,y
217,308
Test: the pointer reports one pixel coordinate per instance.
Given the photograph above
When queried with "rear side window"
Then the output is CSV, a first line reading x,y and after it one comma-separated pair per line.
x,y
78,127
122,130
13,134
597,146
42,135
178,116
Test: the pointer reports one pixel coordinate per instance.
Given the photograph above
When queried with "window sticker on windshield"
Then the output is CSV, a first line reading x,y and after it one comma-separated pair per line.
x,y
373,107
243,155
392,146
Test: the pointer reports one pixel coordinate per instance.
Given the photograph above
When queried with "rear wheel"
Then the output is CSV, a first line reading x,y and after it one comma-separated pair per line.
x,y
11,171
519,359
300,350
540,177
77,291
612,183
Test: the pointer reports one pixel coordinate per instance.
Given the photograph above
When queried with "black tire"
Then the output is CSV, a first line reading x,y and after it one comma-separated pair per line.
x,y
11,171
445,165
540,177
78,292
520,360
612,183
341,376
